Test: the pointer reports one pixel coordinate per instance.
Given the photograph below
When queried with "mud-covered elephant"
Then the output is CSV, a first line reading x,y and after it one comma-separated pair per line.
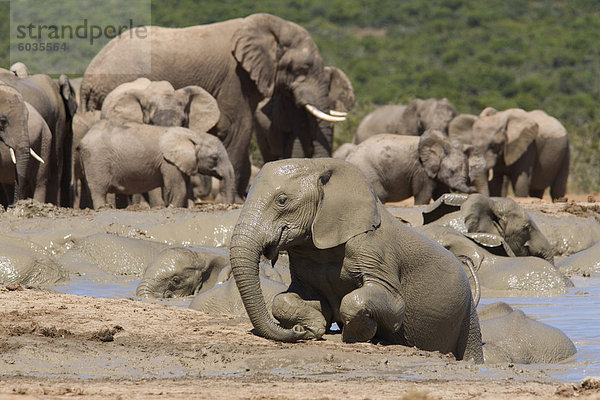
x,y
182,271
477,213
128,158
284,130
412,119
239,61
54,99
511,336
401,166
585,262
351,262
499,272
24,263
37,175
530,149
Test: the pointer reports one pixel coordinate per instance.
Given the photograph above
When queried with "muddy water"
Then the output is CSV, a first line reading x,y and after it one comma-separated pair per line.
x,y
577,314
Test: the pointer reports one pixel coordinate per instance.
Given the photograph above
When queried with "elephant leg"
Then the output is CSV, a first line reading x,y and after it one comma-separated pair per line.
x,y
290,309
368,309
176,186
558,188
155,198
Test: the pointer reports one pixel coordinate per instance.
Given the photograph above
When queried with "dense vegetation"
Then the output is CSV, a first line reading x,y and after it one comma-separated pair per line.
x,y
499,53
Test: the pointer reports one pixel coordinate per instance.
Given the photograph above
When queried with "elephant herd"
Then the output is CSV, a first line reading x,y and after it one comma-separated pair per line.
x,y
336,252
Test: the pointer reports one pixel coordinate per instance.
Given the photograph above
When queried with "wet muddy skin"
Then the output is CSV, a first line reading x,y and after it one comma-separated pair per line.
x,y
89,328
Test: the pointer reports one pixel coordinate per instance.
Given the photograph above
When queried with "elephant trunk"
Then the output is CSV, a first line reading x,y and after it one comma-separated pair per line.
x,y
228,186
245,251
144,290
21,167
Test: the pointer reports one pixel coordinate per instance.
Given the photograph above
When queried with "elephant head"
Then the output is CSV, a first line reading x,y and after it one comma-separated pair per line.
x,y
284,130
19,69
180,271
504,137
158,103
14,133
198,153
448,162
320,203
504,217
421,115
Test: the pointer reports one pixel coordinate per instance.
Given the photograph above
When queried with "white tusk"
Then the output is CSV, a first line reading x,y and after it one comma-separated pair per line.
x,y
490,174
321,115
12,155
35,155
336,113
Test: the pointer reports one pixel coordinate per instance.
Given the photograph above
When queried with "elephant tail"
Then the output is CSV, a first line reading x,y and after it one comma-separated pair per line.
x,y
468,262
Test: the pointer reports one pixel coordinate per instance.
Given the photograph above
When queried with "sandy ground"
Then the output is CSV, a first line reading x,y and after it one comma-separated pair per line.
x,y
59,346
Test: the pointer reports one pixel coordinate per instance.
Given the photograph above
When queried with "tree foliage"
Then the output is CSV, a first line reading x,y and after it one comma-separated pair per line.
x,y
499,53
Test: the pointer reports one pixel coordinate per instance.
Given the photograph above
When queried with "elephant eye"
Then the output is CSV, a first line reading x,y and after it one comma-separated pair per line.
x,y
176,280
282,199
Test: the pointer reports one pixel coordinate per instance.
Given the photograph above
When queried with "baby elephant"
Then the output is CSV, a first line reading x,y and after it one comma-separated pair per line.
x,y
118,156
401,166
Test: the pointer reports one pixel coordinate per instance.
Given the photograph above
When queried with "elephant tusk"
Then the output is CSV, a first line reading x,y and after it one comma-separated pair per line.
x,y
490,174
336,113
12,155
36,156
321,115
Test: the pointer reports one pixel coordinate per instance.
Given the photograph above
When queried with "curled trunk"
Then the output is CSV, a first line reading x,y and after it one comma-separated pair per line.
x,y
245,251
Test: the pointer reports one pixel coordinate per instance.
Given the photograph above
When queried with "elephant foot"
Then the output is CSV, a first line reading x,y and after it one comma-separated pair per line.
x,y
360,328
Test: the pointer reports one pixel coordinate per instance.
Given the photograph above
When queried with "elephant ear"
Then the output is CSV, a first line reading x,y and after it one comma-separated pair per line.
x,y
126,106
178,147
433,147
348,205
255,48
202,109
495,244
520,132
341,93
411,119
461,128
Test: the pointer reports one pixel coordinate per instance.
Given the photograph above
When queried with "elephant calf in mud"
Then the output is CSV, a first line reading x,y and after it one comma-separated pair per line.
x,y
351,262
128,158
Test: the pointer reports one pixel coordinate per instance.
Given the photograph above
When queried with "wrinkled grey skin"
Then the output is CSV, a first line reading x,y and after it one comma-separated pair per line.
x,y
239,61
100,257
530,149
500,274
344,151
25,264
511,336
568,234
181,271
351,262
585,262
14,119
224,298
412,119
140,157
504,217
40,141
55,101
284,130
399,166
496,215
158,103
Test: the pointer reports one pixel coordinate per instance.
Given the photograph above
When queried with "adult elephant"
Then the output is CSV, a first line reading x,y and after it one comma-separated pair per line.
x,y
55,101
351,262
14,118
284,130
400,166
411,119
40,142
530,149
239,62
